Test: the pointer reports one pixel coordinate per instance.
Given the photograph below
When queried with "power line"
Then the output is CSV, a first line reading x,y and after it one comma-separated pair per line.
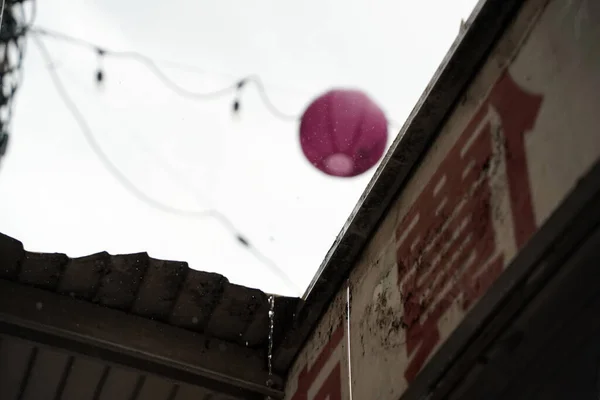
x,y
152,65
138,193
175,176
182,66
97,149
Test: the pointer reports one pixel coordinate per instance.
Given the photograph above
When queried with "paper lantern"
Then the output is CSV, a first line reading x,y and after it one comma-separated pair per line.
x,y
343,133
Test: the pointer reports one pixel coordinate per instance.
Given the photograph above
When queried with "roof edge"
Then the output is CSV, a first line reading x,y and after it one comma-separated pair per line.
x,y
462,62
165,291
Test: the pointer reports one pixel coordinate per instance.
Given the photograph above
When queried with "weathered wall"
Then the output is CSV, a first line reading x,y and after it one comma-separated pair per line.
x,y
524,133
321,371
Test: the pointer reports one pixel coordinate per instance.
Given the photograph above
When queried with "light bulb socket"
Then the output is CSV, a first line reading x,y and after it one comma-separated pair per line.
x,y
3,143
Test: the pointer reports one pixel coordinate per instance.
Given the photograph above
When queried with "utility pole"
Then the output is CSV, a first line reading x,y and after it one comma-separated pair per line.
x,y
16,20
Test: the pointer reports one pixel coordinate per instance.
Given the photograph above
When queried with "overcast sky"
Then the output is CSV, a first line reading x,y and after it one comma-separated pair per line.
x,y
55,195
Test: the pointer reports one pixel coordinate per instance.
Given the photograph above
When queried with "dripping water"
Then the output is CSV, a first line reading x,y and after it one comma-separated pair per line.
x,y
348,309
271,325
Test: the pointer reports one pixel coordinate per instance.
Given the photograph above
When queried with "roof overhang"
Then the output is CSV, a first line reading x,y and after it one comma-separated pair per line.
x,y
159,318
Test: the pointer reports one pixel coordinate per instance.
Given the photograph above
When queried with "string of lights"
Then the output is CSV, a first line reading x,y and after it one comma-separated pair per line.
x,y
236,87
14,25
135,190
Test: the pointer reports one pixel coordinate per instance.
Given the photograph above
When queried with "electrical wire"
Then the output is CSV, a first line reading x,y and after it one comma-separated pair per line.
x,y
267,101
169,83
95,146
138,193
182,66
152,65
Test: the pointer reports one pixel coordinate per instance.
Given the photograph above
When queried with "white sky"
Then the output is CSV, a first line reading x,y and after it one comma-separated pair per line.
x,y
55,195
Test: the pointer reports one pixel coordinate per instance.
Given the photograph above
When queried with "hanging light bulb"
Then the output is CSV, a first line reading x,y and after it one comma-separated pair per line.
x,y
100,68
243,241
3,143
235,108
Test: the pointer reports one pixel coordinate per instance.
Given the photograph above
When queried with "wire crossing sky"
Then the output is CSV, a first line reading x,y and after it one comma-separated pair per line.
x,y
203,154
122,178
131,187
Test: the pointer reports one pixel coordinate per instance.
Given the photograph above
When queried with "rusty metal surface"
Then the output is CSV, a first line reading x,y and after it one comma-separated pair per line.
x,y
420,130
145,313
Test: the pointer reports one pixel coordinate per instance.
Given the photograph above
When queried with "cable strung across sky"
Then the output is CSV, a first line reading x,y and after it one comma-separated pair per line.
x,y
234,88
137,192
152,65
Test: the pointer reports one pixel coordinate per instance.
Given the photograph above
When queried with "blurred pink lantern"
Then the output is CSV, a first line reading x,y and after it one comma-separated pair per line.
x,y
343,133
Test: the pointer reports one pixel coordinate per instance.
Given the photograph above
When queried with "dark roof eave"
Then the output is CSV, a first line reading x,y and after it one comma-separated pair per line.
x,y
150,291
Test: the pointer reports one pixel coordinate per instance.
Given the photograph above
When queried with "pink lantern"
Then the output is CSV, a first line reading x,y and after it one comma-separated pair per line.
x,y
343,133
